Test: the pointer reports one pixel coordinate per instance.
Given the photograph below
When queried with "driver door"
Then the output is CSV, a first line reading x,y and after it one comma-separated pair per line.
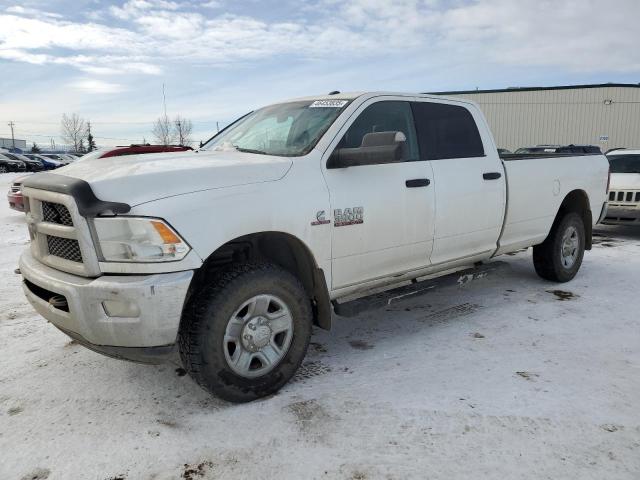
x,y
383,214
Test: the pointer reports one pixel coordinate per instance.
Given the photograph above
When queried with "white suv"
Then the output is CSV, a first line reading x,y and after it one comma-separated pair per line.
x,y
624,190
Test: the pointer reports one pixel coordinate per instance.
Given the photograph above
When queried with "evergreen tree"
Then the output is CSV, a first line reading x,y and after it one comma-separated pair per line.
x,y
91,143
35,148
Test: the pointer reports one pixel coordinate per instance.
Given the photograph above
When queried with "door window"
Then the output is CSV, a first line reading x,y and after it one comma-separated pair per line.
x,y
446,131
390,116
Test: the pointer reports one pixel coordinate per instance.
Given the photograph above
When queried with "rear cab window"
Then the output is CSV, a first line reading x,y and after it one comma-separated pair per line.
x,y
446,131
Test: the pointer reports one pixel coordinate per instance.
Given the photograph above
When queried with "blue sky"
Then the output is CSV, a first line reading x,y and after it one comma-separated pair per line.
x,y
107,61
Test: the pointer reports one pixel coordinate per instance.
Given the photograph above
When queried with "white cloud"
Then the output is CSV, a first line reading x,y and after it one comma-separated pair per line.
x,y
20,10
587,35
92,85
211,4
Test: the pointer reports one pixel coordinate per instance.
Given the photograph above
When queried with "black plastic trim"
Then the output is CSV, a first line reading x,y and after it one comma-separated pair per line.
x,y
88,204
509,157
148,355
417,182
491,175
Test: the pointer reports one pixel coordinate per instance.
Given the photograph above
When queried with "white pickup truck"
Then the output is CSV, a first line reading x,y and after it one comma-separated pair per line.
x,y
228,255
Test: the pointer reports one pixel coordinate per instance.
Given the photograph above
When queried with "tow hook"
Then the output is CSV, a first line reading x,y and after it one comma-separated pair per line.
x,y
58,301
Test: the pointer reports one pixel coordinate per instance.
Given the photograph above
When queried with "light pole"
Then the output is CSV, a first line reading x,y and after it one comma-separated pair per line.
x,y
13,140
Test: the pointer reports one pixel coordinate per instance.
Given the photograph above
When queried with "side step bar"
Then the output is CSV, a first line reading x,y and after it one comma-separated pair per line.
x,y
383,299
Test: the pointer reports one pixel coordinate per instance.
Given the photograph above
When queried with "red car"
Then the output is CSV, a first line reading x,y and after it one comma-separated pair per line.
x,y
15,194
133,150
15,190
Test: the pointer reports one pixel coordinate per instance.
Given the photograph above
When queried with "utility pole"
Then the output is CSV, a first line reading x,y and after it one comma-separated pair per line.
x,y
13,140
179,132
164,101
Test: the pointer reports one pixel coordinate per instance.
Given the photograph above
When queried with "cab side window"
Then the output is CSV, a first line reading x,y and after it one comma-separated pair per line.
x,y
389,116
446,131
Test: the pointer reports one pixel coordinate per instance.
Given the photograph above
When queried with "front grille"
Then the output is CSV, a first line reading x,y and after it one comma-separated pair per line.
x,y
56,213
64,248
60,236
624,196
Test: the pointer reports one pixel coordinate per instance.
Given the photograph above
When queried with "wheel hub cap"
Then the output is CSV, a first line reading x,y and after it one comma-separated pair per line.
x,y
258,336
569,249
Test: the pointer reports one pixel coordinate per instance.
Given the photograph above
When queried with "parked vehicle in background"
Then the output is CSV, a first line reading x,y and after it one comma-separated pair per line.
x,y
8,164
562,149
30,164
69,157
133,150
14,196
624,189
48,163
57,157
230,254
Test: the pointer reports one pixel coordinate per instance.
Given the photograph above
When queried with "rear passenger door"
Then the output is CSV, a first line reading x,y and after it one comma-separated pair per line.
x,y
469,182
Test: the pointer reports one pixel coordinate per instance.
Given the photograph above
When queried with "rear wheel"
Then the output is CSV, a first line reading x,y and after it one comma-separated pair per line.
x,y
560,256
244,336
3,169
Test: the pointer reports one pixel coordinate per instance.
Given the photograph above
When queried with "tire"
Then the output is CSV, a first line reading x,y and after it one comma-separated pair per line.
x,y
226,323
3,169
559,258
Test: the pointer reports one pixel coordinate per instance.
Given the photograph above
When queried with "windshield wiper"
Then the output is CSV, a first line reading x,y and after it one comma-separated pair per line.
x,y
249,150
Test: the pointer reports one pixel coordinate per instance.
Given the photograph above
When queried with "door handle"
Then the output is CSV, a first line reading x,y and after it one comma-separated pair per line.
x,y
418,182
491,175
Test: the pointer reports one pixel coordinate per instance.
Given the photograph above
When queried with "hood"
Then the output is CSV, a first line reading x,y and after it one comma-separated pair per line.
x,y
625,181
136,179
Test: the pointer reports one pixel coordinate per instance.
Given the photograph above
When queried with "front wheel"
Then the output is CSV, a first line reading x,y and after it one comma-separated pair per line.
x,y
560,256
245,335
3,169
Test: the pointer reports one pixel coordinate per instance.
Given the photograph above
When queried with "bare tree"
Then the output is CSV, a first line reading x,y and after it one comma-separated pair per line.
x,y
73,130
183,128
163,131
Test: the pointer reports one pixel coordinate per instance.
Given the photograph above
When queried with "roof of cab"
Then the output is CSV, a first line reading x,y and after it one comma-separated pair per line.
x,y
354,95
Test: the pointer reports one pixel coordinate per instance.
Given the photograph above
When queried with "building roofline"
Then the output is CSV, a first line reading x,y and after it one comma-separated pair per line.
x,y
535,89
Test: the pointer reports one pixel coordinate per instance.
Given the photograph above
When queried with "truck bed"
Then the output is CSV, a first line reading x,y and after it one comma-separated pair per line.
x,y
537,188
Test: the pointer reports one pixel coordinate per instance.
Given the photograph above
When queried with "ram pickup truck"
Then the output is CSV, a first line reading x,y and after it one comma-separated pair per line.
x,y
230,255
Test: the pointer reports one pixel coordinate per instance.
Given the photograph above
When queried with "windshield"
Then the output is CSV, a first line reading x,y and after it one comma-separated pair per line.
x,y
287,129
624,163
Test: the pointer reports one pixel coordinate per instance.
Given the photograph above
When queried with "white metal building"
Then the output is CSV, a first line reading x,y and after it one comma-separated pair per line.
x,y
8,143
607,115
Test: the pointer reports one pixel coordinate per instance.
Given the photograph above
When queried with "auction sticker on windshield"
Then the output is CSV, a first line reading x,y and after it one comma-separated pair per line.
x,y
328,104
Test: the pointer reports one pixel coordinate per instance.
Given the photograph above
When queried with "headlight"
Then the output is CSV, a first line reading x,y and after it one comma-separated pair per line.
x,y
131,239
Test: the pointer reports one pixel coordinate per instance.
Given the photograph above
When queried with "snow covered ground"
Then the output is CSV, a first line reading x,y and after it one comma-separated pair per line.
x,y
503,379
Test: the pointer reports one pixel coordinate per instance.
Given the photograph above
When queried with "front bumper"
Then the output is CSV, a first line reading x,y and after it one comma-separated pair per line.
x,y
622,215
155,300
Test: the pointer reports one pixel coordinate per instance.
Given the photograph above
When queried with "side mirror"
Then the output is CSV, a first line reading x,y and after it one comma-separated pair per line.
x,y
376,148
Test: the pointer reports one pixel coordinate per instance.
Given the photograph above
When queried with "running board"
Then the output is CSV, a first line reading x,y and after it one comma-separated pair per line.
x,y
388,297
